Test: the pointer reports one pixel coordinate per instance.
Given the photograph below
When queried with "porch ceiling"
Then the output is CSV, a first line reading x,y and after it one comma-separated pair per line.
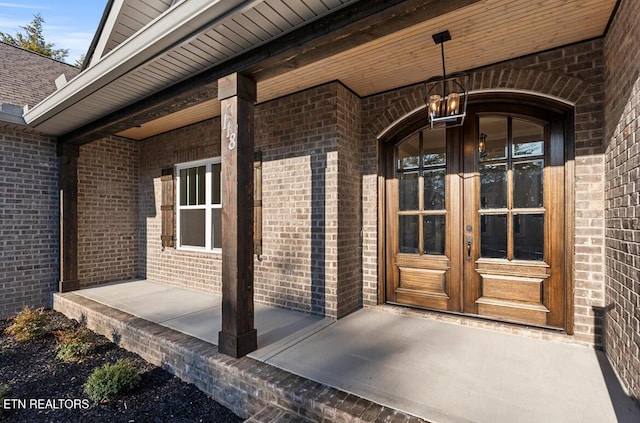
x,y
186,39
483,31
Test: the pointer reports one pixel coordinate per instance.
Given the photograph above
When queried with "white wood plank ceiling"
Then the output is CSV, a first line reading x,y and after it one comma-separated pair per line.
x,y
485,32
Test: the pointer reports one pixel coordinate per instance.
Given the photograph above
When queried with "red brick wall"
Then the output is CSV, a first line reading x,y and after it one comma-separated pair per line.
x,y
196,270
622,129
574,74
108,237
29,221
349,202
298,138
305,138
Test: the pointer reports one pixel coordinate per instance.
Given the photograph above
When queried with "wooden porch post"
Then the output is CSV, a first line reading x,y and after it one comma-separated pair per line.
x,y
68,154
237,94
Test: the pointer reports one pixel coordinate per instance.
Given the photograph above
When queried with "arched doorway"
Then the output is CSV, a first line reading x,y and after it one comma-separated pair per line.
x,y
481,229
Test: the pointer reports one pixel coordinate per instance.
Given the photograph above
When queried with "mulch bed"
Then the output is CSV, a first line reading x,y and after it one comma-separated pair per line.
x,y
32,372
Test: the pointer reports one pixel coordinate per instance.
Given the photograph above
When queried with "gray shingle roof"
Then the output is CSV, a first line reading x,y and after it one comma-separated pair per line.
x,y
26,78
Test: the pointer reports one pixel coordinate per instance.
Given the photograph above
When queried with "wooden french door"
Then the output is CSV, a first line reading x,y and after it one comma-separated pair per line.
x,y
475,216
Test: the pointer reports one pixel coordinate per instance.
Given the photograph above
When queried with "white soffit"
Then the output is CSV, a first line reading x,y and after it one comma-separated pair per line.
x,y
124,20
188,38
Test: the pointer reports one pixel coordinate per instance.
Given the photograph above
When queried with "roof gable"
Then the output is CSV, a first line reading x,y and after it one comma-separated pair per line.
x,y
121,20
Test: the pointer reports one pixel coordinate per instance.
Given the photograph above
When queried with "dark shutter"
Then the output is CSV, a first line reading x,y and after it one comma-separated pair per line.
x,y
167,208
257,203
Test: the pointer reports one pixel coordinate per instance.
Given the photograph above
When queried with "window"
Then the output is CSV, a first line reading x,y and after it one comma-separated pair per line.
x,y
199,211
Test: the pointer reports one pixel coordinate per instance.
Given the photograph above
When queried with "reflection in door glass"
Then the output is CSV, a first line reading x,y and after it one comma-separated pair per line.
x,y
408,191
493,186
528,139
421,173
408,234
434,147
409,154
434,189
528,237
496,130
493,236
528,184
434,234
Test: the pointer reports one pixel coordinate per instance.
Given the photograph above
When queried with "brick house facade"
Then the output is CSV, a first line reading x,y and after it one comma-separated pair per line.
x,y
321,208
29,230
622,204
310,163
29,233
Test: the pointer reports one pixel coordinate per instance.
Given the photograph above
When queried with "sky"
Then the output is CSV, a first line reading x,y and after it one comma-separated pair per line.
x,y
68,24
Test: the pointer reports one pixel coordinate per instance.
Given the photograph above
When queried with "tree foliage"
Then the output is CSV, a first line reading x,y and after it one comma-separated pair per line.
x,y
32,39
79,61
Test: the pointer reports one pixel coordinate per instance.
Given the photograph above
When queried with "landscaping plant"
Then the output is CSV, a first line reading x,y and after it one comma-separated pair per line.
x,y
111,380
28,324
73,345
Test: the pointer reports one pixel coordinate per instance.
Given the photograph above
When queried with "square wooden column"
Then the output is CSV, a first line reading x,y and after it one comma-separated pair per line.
x,y
238,336
68,154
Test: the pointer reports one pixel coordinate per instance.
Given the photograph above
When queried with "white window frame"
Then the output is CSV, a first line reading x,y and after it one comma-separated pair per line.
x,y
208,206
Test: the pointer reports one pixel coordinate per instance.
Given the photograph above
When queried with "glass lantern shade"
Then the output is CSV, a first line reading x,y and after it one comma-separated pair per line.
x,y
446,100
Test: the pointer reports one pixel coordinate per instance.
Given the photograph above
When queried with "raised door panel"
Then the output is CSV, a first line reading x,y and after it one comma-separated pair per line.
x,y
423,220
512,208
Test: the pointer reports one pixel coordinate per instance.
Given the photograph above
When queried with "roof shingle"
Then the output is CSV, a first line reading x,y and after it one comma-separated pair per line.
x,y
26,78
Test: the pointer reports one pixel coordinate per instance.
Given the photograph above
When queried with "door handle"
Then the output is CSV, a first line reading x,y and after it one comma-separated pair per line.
x,y
469,242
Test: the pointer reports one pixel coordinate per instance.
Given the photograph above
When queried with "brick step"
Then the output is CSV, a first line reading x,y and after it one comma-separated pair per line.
x,y
274,414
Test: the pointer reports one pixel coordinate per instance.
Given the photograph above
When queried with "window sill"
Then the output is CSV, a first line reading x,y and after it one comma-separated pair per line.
x,y
217,251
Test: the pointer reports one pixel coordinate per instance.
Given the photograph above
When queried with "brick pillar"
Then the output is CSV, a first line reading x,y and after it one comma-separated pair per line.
x,y
237,94
68,154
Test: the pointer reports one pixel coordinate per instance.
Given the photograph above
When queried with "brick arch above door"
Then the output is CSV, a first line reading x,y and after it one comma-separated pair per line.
x,y
552,85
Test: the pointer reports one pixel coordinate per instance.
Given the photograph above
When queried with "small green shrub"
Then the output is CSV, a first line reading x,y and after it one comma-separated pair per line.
x,y
111,380
74,344
28,324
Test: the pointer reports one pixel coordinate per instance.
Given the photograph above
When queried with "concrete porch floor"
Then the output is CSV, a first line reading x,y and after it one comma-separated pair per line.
x,y
438,371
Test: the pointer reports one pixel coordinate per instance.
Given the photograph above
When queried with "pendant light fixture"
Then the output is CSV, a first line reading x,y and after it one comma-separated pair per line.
x,y
446,96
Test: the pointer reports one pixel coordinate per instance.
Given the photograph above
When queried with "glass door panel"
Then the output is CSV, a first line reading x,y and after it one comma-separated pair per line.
x,y
420,270
421,170
508,278
511,169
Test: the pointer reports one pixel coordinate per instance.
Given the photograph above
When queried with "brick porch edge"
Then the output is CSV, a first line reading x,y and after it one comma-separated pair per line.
x,y
244,385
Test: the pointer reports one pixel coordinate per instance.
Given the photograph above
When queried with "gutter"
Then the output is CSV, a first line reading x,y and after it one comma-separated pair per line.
x,y
180,23
12,114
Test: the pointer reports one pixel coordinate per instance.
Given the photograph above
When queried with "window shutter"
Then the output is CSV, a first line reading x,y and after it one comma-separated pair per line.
x,y
167,208
257,203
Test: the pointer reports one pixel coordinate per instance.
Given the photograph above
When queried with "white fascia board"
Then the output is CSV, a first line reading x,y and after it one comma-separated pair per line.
x,y
181,22
116,7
